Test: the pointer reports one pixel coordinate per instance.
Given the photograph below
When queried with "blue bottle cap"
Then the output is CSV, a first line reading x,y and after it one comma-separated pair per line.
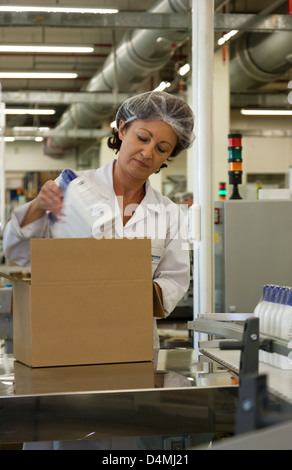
x,y
66,177
289,298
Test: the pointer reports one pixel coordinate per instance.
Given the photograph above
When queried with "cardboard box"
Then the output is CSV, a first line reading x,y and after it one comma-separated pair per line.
x,y
88,302
71,379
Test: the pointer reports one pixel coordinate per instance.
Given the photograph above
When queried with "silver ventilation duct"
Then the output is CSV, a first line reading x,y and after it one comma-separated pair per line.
x,y
138,55
258,59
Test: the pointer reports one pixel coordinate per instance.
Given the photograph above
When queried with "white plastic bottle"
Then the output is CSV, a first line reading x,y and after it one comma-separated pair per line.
x,y
262,301
64,180
269,313
286,323
86,213
264,313
281,301
272,310
260,312
281,298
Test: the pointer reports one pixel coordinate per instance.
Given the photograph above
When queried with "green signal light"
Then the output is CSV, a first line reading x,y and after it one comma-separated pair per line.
x,y
222,192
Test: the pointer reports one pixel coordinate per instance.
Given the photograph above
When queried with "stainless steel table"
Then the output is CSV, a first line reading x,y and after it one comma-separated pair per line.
x,y
175,395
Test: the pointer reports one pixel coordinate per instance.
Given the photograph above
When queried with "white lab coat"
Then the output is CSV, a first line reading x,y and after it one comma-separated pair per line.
x,y
156,216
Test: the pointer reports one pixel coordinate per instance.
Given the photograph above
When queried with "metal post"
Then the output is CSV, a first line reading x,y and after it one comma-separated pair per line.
x,y
2,163
202,88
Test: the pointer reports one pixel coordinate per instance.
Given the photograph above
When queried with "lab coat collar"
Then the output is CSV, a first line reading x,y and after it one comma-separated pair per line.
x,y
149,204
151,199
105,182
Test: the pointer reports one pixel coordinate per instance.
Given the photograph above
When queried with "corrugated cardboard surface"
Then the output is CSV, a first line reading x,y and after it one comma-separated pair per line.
x,y
91,302
22,322
126,376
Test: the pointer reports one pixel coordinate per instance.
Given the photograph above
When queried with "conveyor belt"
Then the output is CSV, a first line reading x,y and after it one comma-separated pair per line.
x,y
113,400
279,381
217,324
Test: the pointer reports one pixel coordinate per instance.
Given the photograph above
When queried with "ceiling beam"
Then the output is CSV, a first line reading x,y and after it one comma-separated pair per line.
x,y
145,20
251,22
72,133
66,98
124,20
263,100
263,132
59,97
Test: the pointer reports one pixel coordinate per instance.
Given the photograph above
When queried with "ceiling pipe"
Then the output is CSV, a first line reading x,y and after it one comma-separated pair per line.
x,y
138,55
257,59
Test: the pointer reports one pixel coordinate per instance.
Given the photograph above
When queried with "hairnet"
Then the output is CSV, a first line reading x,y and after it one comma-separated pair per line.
x,y
160,105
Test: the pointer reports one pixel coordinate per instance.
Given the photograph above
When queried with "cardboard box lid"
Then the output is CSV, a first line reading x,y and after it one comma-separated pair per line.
x,y
135,254
44,259
44,253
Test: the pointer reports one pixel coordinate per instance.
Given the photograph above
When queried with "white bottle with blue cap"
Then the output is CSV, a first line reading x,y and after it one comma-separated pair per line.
x,y
86,213
260,310
286,323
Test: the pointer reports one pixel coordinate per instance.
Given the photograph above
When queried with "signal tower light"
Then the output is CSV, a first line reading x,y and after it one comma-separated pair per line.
x,y
222,191
234,163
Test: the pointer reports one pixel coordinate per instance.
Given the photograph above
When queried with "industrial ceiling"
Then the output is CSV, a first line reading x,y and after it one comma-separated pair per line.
x,y
129,48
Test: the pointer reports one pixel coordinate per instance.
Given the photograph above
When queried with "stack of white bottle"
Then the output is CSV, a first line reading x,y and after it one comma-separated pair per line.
x,y
275,314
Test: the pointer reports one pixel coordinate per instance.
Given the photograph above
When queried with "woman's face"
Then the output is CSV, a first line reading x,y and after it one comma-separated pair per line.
x,y
145,147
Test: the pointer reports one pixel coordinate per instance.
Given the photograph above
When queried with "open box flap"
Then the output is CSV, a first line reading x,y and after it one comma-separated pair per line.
x,y
94,259
158,310
13,278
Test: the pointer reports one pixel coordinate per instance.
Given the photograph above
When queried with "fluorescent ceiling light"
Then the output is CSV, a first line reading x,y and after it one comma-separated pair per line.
x,y
184,69
23,137
30,128
266,112
30,111
28,75
227,36
162,86
56,9
46,49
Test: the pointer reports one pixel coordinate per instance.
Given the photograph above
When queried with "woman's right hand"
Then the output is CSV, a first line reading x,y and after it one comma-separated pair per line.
x,y
50,198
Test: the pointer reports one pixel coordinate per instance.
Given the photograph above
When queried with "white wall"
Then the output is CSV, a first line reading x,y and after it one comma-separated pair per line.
x,y
28,156
264,154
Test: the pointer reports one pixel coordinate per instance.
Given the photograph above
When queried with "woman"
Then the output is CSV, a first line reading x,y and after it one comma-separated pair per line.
x,y
152,128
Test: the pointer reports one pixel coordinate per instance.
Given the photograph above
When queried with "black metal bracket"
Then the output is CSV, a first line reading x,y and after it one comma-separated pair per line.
x,y
249,347
254,408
